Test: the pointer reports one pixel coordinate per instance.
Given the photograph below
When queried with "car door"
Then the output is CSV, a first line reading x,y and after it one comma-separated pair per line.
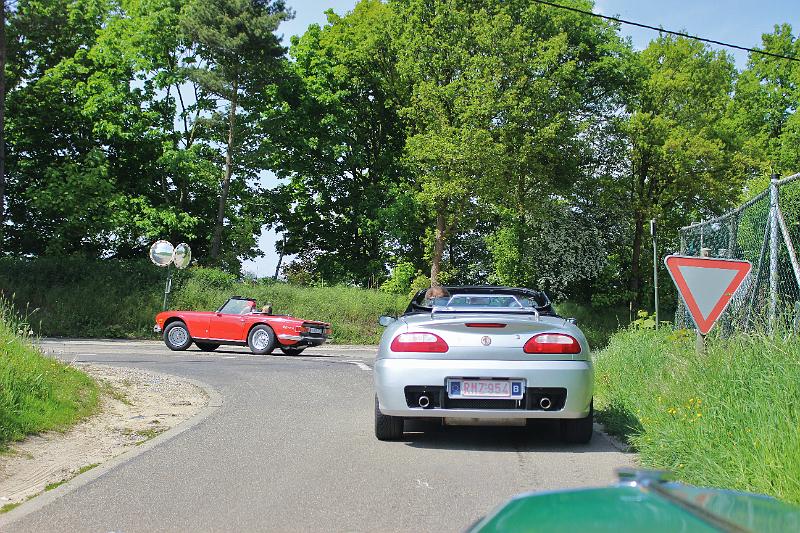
x,y
227,327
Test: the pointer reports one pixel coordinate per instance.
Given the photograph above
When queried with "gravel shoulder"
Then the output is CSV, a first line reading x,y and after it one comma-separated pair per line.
x,y
136,406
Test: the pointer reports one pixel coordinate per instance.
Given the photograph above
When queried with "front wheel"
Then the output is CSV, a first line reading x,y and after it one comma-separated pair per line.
x,y
207,346
292,350
261,340
578,430
176,336
387,427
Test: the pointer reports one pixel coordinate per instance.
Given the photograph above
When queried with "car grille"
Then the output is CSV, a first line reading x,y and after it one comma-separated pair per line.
x,y
438,399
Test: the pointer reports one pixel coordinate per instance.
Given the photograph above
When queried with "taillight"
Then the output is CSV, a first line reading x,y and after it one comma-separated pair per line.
x,y
552,343
419,342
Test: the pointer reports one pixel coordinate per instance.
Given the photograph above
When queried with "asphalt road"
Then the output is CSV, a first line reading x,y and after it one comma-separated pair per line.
x,y
292,449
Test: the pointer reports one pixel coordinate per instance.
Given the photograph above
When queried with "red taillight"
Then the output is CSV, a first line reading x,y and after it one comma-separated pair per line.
x,y
419,342
485,325
552,343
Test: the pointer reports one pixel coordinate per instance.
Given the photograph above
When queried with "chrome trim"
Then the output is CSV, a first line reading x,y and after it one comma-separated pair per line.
x,y
157,329
290,337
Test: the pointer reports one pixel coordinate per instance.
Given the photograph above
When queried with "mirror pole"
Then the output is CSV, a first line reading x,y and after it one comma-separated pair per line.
x,y
168,286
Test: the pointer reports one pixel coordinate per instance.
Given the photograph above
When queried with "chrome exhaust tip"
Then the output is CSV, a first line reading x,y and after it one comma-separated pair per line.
x,y
545,403
424,401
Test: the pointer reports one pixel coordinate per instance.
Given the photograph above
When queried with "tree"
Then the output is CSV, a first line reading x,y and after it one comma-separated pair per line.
x,y
241,60
680,144
341,145
764,109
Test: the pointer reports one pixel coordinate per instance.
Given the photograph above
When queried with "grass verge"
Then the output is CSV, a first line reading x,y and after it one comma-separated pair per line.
x,y
729,418
76,297
37,393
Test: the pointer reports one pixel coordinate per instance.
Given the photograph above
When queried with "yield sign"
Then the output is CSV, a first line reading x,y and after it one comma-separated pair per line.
x,y
706,285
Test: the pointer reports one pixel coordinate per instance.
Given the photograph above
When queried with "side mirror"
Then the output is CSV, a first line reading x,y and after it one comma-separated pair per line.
x,y
386,320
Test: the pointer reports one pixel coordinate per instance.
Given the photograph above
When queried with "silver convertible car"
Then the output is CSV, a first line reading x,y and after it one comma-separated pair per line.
x,y
483,355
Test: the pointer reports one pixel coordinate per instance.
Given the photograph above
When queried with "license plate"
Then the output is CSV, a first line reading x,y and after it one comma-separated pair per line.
x,y
314,330
485,388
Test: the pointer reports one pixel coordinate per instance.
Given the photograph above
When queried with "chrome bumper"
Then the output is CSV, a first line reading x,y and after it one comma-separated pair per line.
x,y
393,375
157,329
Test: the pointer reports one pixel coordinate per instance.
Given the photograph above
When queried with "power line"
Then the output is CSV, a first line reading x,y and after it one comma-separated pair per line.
x,y
662,30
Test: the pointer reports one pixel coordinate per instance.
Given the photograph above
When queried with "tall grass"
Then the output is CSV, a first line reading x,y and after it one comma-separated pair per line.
x,y
36,393
77,297
727,418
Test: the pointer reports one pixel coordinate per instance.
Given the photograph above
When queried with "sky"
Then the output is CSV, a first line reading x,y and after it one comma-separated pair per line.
x,y
740,22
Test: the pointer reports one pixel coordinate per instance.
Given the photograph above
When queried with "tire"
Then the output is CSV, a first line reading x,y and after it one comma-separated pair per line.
x,y
387,427
176,336
207,346
292,350
261,340
578,430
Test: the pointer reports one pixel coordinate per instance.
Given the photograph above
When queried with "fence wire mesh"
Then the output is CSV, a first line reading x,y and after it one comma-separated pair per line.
x,y
769,296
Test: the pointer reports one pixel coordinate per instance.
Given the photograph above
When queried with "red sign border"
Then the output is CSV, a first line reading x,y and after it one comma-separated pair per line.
x,y
742,267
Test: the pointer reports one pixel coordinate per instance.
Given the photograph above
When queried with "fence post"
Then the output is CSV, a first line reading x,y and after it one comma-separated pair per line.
x,y
773,253
680,313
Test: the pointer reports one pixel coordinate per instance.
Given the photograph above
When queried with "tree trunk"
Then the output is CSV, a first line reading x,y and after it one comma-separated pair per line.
x,y
280,260
438,247
2,117
226,182
636,258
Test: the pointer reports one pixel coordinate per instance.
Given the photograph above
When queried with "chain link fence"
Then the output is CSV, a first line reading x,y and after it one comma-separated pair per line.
x,y
761,231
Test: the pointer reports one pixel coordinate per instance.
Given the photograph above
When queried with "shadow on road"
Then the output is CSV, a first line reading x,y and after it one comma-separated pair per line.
x,y
541,436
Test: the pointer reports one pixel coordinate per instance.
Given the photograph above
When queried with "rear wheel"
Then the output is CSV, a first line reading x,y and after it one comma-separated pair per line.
x,y
578,430
207,346
292,350
261,340
176,336
387,427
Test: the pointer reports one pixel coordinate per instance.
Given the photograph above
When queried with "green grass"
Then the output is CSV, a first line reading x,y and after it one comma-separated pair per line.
x,y
9,507
597,324
729,418
37,393
75,297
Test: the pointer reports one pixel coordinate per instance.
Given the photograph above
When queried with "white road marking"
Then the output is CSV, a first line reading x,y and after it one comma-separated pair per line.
x,y
422,484
85,354
360,365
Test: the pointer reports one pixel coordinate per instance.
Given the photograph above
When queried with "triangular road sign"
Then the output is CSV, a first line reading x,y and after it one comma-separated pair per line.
x,y
706,285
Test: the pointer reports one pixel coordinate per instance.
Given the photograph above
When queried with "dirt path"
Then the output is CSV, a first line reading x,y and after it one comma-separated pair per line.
x,y
135,407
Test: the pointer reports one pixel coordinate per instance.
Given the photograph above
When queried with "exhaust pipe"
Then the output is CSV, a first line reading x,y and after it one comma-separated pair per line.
x,y
424,401
545,403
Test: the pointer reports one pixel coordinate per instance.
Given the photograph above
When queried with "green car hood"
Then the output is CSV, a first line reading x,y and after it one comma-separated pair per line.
x,y
636,507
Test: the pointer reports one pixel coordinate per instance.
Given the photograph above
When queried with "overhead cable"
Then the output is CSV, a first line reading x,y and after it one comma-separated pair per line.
x,y
662,30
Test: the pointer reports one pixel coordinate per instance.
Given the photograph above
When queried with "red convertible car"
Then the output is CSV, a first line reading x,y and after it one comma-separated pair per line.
x,y
238,323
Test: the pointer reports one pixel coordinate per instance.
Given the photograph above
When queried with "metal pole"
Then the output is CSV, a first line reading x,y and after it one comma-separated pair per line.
x,y
655,266
700,342
773,253
168,286
680,314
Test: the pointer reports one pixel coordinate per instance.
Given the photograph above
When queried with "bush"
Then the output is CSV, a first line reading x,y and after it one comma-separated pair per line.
x,y
37,393
729,418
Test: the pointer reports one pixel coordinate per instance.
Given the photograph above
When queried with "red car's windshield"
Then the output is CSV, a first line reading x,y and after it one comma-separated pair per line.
x,y
237,307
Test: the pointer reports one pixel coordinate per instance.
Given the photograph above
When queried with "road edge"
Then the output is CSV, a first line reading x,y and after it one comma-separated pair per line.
x,y
215,401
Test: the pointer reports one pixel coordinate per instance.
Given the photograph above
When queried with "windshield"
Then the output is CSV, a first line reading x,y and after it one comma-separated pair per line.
x,y
484,298
471,300
237,307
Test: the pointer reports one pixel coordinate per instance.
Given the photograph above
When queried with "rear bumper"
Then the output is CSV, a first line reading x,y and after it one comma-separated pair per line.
x,y
301,340
392,376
